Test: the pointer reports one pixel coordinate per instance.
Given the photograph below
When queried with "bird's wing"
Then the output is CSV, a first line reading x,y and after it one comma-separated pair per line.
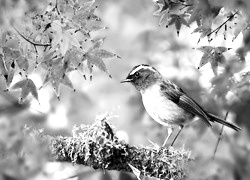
x,y
178,96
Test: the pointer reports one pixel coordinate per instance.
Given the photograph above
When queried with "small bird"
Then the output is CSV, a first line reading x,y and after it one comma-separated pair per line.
x,y
166,102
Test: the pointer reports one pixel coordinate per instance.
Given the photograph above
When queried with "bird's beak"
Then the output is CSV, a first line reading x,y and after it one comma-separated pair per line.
x,y
126,80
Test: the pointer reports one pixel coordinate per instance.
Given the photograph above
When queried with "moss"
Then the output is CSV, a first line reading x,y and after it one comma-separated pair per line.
x,y
97,146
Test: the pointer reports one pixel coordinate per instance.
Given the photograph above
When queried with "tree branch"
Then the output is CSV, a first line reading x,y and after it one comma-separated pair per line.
x,y
31,42
97,146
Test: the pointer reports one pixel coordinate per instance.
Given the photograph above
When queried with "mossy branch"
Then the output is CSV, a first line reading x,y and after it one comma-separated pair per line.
x,y
97,146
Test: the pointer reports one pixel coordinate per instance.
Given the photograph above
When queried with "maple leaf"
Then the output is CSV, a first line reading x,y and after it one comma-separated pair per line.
x,y
57,76
22,63
8,64
74,56
163,7
163,10
48,63
84,18
178,20
27,86
204,32
241,26
11,56
95,55
214,55
203,10
65,37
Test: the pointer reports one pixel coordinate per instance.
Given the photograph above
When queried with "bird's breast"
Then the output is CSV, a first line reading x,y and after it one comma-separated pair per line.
x,y
163,110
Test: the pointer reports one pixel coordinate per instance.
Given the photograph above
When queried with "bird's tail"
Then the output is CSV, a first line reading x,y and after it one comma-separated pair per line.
x,y
221,121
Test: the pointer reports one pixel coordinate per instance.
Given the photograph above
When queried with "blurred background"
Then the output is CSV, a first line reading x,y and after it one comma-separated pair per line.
x,y
134,34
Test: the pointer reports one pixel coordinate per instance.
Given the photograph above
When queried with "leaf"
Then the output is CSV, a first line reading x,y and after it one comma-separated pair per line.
x,y
7,57
66,81
95,55
163,7
27,86
178,20
3,70
64,45
15,54
96,27
98,62
23,63
204,31
74,56
72,39
86,5
241,26
204,59
57,76
214,55
97,44
195,16
9,76
49,63
221,49
85,13
205,49
164,18
102,53
214,66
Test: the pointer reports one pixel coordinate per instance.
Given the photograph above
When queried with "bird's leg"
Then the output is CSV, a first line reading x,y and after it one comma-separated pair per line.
x,y
170,131
180,128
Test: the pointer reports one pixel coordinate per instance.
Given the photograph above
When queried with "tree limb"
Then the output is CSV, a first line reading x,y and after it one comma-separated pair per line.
x,y
98,147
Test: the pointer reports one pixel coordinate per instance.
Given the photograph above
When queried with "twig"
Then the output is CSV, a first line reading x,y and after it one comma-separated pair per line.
x,y
31,42
220,137
185,6
218,28
56,7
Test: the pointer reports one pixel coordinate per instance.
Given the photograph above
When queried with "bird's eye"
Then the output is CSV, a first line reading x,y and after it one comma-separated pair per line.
x,y
137,74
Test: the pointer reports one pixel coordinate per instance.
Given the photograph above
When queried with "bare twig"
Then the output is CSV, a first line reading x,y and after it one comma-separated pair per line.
x,y
31,42
220,137
219,27
56,7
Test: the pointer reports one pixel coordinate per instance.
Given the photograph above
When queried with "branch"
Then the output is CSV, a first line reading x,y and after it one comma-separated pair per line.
x,y
98,147
219,27
56,7
31,42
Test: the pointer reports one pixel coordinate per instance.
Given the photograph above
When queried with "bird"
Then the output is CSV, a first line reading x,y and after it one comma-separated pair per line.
x,y
167,103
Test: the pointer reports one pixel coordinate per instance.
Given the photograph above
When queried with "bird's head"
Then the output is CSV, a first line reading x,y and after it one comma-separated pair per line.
x,y
142,76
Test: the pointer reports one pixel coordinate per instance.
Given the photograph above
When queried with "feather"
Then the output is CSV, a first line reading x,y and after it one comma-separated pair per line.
x,y
178,96
221,121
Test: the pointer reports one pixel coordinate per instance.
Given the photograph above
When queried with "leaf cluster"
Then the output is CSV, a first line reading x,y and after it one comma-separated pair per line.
x,y
212,19
56,39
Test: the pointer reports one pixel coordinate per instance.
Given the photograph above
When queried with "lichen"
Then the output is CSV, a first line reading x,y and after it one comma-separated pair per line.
x,y
97,146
